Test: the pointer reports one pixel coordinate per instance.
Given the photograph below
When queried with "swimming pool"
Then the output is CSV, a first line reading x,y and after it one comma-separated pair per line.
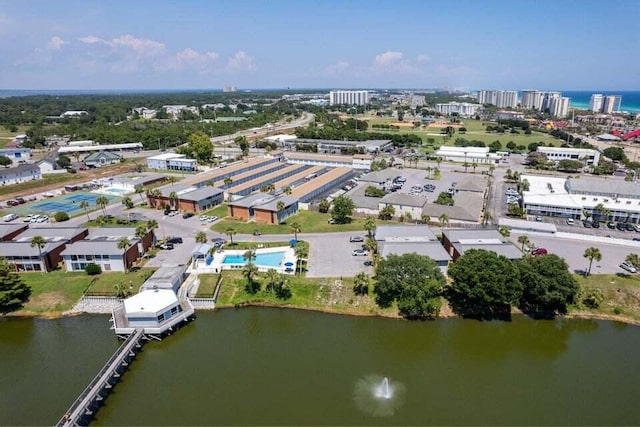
x,y
115,191
271,259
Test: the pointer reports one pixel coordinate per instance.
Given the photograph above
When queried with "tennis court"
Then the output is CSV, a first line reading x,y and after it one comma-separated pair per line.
x,y
69,203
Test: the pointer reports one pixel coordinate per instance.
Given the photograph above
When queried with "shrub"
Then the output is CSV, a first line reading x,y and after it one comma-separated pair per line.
x,y
593,298
617,310
61,216
92,269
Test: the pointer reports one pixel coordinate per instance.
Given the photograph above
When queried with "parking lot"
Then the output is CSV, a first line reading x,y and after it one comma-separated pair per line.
x,y
330,255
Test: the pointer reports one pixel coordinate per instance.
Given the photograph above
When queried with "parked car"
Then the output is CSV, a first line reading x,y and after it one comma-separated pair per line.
x,y
570,221
629,227
357,239
172,213
217,241
187,215
620,226
175,240
539,218
539,251
595,224
587,224
626,266
204,217
166,246
212,218
358,252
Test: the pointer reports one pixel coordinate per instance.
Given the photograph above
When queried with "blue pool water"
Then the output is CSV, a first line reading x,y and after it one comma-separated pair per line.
x,y
273,259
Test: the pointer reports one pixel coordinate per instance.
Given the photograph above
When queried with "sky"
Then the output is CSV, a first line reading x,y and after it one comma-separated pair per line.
x,y
190,44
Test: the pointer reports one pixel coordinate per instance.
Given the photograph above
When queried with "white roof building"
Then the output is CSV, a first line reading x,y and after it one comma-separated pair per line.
x,y
586,155
468,154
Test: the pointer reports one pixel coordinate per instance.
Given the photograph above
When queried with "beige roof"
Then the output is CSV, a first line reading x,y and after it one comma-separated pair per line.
x,y
252,172
323,179
318,156
216,174
266,179
288,181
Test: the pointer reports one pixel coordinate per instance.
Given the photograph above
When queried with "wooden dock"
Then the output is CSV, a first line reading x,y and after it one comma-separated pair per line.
x,y
86,405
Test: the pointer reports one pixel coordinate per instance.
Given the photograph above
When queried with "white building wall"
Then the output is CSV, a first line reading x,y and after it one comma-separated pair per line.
x,y
112,263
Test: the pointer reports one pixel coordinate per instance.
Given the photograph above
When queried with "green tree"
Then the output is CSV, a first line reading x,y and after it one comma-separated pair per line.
x,y
5,161
301,252
361,284
121,290
230,232
444,199
592,253
61,216
152,224
13,292
140,191
199,147
386,213
63,162
373,191
413,281
126,201
102,201
228,181
342,210
324,205
523,240
633,259
85,206
280,206
249,271
504,231
272,278
444,219
123,245
173,200
201,237
485,285
369,225
40,243
295,229
141,231
615,153
548,286
242,142
287,190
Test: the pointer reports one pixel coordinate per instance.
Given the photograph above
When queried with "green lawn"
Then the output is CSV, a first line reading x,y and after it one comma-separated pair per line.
x,y
220,211
621,291
207,285
326,294
58,290
6,137
310,222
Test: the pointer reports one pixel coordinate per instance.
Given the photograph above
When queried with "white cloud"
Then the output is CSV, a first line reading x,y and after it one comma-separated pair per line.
x,y
190,59
144,47
422,58
337,68
55,43
92,40
240,61
388,58
392,61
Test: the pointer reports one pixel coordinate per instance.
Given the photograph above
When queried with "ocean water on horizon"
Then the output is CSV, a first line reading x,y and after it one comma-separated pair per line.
x,y
581,99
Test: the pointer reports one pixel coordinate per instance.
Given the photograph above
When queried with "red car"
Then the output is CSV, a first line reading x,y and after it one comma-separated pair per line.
x,y
539,251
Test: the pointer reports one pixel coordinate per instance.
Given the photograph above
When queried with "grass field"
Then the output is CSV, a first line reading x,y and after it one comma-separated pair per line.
x,y
207,285
325,294
6,136
476,129
310,222
38,183
621,295
220,211
58,291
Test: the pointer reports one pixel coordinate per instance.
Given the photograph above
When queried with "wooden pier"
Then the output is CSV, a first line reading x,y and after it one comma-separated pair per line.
x,y
86,405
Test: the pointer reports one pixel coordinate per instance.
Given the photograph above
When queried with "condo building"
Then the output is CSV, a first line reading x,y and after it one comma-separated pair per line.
x,y
499,98
351,97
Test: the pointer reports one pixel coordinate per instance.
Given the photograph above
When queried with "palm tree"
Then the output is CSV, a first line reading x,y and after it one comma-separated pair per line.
x,y
592,253
361,284
141,231
444,219
407,216
249,271
371,245
152,224
227,181
425,218
249,256
295,228
633,259
523,240
123,244
126,201
40,243
173,196
267,188
287,190
85,205
273,279
370,225
201,237
102,201
230,232
504,231
301,253
280,205
139,191
486,217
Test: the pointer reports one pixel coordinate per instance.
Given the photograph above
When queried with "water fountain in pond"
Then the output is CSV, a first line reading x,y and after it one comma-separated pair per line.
x,y
378,396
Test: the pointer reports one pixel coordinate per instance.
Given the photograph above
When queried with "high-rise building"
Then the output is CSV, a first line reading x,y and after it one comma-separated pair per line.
x,y
531,100
499,98
461,108
351,97
229,89
559,106
595,104
546,100
611,104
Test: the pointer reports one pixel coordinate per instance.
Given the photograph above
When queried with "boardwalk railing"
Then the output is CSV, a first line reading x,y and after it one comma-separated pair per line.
x,y
80,409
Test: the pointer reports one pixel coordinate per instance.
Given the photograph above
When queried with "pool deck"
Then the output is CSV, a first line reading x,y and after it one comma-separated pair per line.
x,y
216,265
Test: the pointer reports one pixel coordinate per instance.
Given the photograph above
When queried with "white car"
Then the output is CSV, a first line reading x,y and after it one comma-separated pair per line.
x,y
358,252
212,218
204,218
626,266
